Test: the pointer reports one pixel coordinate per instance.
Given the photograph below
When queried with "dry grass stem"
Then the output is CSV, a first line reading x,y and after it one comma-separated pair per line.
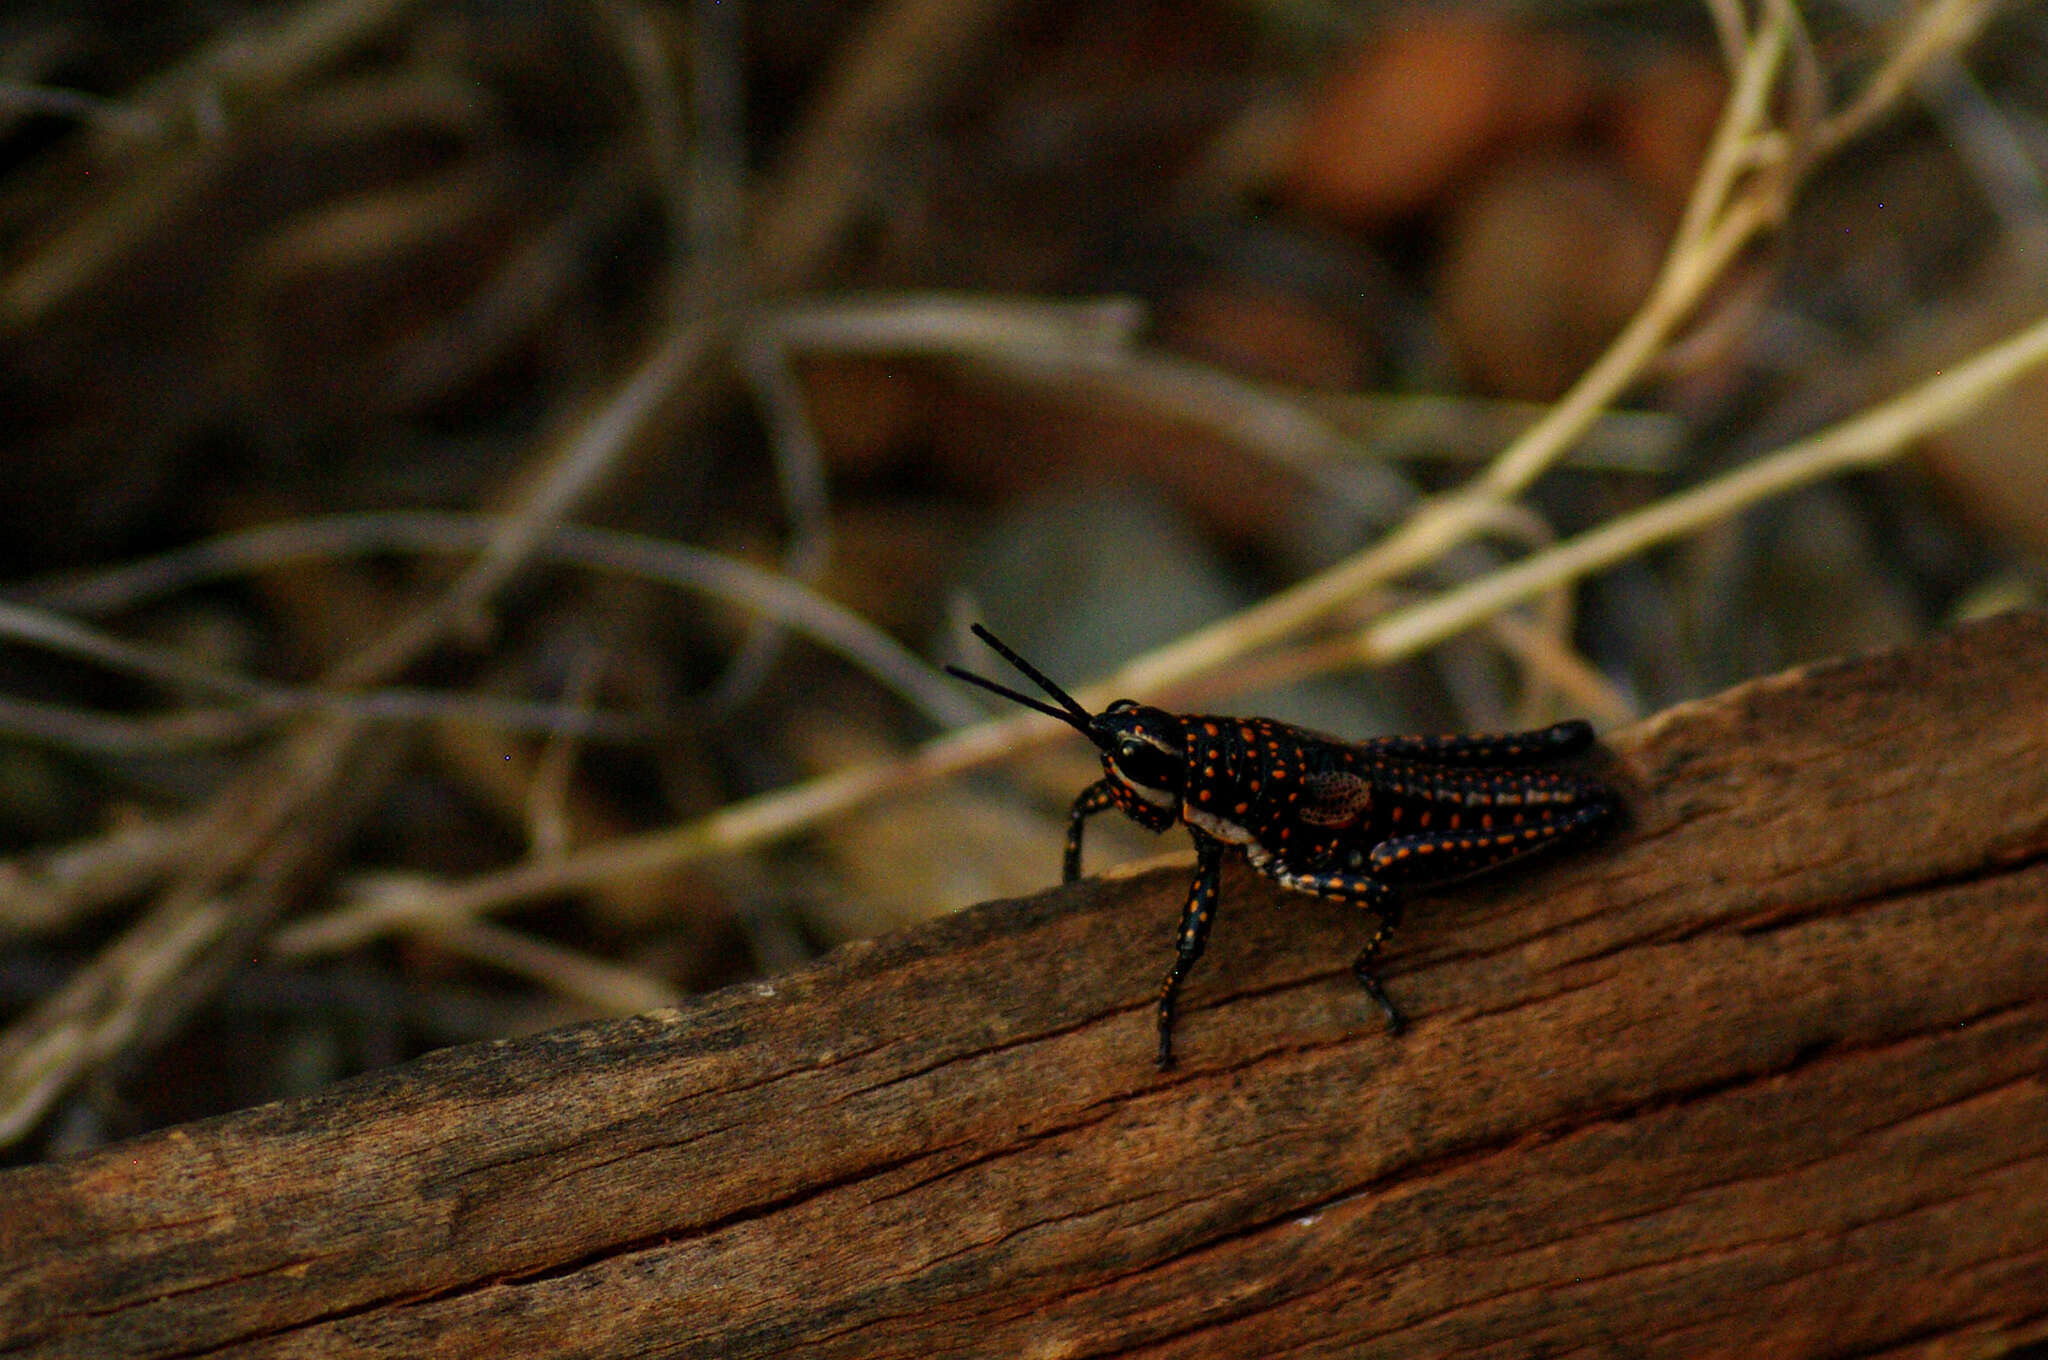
x,y
264,704
717,168
1550,661
953,325
643,43
43,629
601,987
123,738
110,116
1278,427
1717,226
199,729
49,890
738,826
271,820
677,565
1731,29
250,844
1094,344
1418,426
590,454
905,51
1935,33
1866,441
258,62
527,288
800,481
548,794
606,988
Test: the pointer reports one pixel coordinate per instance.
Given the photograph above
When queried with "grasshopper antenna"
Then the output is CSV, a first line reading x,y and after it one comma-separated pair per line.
x,y
1069,712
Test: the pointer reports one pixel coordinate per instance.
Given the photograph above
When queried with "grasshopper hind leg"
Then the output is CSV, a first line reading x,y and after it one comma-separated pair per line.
x,y
1359,890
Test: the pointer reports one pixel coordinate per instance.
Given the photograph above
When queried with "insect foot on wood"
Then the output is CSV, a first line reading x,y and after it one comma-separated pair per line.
x,y
1355,821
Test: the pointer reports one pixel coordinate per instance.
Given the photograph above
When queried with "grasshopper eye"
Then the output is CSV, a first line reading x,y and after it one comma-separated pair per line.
x,y
1141,762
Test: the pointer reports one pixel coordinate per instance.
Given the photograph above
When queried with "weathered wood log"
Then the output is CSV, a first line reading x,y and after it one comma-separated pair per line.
x,y
1761,1076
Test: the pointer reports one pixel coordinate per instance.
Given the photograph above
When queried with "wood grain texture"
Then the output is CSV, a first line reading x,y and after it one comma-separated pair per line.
x,y
1761,1076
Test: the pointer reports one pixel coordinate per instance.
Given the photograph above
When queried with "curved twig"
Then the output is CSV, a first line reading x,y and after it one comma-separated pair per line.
x,y
674,564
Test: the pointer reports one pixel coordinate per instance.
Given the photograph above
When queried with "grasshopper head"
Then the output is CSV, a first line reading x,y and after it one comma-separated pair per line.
x,y
1142,751
1141,746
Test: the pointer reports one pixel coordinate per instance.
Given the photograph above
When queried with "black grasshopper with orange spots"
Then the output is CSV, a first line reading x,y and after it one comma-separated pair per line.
x,y
1356,822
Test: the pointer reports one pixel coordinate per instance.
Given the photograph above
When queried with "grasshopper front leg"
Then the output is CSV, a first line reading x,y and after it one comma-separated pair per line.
x,y
1091,800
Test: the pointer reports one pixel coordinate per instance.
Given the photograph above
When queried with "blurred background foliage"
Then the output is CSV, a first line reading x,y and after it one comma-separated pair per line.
x,y
264,264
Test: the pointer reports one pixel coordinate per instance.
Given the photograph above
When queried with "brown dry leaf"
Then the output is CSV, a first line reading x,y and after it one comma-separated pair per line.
x,y
1423,104
1663,117
1266,333
865,410
1995,466
924,855
1543,263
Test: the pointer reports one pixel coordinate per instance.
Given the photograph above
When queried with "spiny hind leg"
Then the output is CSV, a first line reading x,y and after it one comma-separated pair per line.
x,y
1555,742
1360,890
1450,853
